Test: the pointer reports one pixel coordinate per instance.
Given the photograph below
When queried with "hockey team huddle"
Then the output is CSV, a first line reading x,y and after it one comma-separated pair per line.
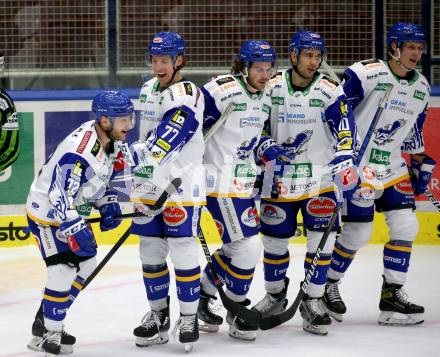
x,y
292,140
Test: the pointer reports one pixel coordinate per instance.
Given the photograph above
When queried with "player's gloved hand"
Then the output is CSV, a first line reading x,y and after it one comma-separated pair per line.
x,y
274,156
345,175
79,237
108,207
421,169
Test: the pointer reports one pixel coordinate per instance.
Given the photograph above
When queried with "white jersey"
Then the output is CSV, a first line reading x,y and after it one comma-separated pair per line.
x,y
307,124
400,126
183,100
229,156
74,177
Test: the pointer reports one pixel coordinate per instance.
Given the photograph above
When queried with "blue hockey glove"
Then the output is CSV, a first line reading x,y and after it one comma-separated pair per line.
x,y
345,175
421,173
79,237
109,208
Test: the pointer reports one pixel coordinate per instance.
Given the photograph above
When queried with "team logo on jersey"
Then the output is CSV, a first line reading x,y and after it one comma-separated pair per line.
x,y
321,206
363,197
82,145
383,135
272,215
249,217
294,145
380,157
174,216
404,187
245,149
220,227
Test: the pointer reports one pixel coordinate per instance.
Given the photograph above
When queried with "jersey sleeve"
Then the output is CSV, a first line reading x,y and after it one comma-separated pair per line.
x,y
9,132
413,143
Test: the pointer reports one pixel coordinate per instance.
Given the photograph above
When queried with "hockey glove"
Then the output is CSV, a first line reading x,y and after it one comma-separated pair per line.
x,y
273,155
79,237
345,175
421,173
109,208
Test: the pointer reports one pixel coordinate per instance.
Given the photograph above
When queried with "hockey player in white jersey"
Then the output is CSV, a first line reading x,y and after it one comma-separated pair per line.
x,y
311,120
398,130
172,107
75,175
230,163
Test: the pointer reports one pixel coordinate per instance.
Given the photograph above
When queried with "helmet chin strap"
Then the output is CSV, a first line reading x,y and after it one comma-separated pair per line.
x,y
397,59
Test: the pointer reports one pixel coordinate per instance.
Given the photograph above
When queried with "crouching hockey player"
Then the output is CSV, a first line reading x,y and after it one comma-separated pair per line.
x,y
398,130
77,173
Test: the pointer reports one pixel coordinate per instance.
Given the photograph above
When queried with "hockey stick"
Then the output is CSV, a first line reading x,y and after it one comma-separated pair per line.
x,y
275,320
433,200
330,71
122,216
171,188
220,121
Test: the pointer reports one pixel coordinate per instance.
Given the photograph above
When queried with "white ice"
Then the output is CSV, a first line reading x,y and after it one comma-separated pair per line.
x,y
105,314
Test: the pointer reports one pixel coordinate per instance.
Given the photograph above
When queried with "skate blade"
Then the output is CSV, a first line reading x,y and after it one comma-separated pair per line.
x,y
188,347
205,327
319,330
390,318
243,335
35,345
158,339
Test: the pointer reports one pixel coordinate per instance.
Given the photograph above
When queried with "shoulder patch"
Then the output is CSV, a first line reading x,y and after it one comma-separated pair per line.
x,y
369,61
96,148
225,80
82,145
188,88
331,80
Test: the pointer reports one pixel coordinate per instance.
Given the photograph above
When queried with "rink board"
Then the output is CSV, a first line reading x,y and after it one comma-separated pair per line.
x,y
13,234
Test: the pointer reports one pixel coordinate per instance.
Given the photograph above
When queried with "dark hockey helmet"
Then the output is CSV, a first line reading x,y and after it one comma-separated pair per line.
x,y
112,104
167,44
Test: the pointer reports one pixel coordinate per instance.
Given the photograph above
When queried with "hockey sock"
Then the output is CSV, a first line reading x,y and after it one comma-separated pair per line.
x,y
275,266
341,260
238,281
319,278
396,257
55,305
188,289
77,286
156,281
221,263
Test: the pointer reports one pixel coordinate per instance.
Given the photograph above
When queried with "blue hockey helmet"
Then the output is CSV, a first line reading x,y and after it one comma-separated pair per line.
x,y
405,32
112,104
167,44
306,40
257,51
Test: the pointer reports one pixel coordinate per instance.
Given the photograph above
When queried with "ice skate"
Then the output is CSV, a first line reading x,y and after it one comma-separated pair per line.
x,y
51,343
38,331
332,301
208,320
314,317
240,328
188,330
153,329
273,304
395,308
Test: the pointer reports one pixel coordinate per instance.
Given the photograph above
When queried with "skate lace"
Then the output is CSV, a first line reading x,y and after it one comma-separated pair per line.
x,y
333,292
185,323
402,296
213,306
151,319
51,337
266,304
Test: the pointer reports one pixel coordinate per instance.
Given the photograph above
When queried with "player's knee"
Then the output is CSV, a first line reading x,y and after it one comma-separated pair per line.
x,y
245,252
86,267
314,238
403,224
60,277
153,250
276,246
355,235
184,252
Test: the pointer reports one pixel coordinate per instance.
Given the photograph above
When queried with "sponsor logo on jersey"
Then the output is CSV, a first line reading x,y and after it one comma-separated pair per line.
x,y
224,80
188,88
243,170
145,172
240,107
3,104
316,103
381,86
380,157
179,117
369,172
404,187
82,145
220,227
157,39
253,122
163,144
383,135
250,217
363,197
298,170
143,98
419,95
266,108
272,215
174,216
277,100
11,123
321,206
294,145
77,171
96,147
